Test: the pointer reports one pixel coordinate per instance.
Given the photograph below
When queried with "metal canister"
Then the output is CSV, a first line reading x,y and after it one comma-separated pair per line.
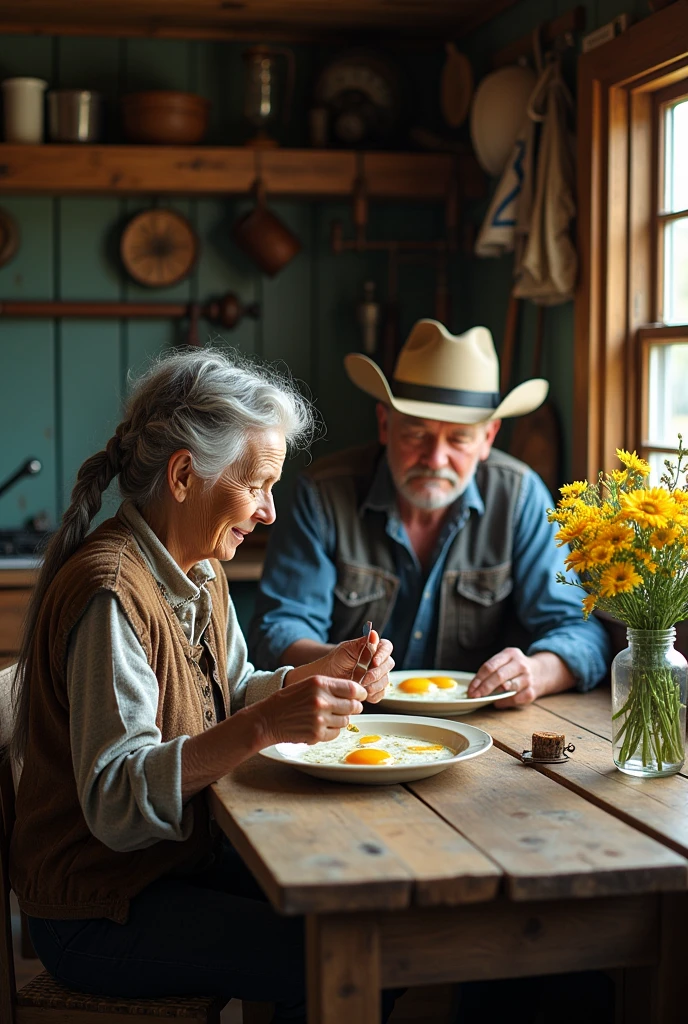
x,y
74,115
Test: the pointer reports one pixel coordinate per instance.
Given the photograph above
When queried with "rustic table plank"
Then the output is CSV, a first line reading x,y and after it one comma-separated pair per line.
x,y
657,807
513,940
550,842
592,713
590,710
317,846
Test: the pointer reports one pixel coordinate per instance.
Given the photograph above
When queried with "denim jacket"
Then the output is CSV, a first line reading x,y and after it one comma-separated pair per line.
x,y
342,556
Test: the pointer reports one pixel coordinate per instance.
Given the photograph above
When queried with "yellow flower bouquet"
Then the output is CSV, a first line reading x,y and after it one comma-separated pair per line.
x,y
629,553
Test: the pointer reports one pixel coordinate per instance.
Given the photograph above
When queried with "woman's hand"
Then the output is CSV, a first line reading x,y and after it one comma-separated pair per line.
x,y
309,711
339,663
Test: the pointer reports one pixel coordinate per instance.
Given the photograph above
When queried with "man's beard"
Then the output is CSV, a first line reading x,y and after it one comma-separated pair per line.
x,y
440,499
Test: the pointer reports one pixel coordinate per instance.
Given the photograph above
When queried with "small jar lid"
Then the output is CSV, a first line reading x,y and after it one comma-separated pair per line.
x,y
25,81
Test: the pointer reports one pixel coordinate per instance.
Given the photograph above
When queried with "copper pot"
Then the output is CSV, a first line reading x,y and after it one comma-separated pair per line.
x,y
264,238
165,117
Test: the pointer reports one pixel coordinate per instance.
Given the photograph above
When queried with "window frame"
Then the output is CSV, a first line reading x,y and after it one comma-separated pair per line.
x,y
661,100
656,334
621,86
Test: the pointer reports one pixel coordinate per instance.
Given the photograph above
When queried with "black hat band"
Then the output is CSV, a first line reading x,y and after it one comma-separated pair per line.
x,y
445,396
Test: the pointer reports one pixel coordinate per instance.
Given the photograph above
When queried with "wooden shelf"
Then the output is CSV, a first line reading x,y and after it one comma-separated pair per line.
x,y
16,586
247,565
203,170
305,20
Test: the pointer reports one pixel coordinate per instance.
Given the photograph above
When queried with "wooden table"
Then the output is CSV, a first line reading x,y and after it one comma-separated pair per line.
x,y
489,870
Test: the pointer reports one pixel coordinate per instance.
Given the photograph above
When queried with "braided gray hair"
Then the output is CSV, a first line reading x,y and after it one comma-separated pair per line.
x,y
201,399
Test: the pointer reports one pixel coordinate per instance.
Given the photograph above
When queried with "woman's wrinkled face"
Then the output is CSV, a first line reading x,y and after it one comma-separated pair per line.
x,y
222,515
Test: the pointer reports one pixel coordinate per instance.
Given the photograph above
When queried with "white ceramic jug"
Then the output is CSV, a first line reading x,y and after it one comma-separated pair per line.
x,y
23,104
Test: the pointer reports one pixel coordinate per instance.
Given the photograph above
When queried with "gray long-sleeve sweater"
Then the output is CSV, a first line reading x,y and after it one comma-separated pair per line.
x,y
128,780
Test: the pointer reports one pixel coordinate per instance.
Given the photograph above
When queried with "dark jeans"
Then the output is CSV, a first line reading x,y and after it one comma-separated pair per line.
x,y
209,934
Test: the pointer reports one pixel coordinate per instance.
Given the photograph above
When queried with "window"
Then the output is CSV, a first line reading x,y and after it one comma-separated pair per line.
x,y
673,216
663,347
631,335
664,395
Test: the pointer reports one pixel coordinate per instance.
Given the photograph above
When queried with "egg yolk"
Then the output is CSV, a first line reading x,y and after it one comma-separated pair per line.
x,y
443,682
430,748
369,739
373,756
416,685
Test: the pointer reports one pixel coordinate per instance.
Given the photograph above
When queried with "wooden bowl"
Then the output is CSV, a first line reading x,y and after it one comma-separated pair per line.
x,y
165,117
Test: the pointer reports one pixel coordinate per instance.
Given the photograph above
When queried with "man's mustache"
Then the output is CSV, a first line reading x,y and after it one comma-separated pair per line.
x,y
432,474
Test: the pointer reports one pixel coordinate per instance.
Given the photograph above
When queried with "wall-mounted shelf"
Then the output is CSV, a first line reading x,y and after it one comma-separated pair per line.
x,y
202,170
245,567
305,20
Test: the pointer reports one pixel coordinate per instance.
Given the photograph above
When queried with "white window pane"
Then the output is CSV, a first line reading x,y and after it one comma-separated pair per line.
x,y
676,271
668,394
657,467
676,158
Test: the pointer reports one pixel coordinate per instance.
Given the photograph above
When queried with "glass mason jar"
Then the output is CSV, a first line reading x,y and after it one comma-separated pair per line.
x,y
649,684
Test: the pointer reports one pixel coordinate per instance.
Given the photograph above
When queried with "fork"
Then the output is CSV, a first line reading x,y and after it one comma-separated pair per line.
x,y
366,649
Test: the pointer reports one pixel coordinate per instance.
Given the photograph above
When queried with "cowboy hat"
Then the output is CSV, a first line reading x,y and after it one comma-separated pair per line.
x,y
448,377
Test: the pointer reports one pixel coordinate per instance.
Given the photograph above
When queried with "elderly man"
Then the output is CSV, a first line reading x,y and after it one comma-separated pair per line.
x,y
437,537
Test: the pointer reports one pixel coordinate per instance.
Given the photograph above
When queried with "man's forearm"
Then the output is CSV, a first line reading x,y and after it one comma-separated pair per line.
x,y
303,652
553,674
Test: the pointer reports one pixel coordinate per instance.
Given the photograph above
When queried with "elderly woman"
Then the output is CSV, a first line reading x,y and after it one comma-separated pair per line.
x,y
134,693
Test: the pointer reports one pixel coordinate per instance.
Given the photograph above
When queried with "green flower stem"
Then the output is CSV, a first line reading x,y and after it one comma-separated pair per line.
x,y
649,722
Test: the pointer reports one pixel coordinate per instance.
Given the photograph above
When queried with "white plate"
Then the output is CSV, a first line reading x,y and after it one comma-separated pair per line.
x,y
465,739
446,708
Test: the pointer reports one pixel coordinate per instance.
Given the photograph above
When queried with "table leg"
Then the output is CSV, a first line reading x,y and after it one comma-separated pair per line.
x,y
343,969
668,990
634,995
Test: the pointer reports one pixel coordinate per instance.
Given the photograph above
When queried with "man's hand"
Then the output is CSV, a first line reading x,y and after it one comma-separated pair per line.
x,y
529,677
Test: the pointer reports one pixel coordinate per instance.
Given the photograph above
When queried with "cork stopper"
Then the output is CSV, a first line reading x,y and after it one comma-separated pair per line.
x,y
548,745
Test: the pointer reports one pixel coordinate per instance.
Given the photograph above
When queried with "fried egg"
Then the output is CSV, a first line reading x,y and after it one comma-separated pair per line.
x,y
430,688
349,748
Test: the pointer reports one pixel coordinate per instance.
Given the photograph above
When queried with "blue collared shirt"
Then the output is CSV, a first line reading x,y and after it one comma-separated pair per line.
x,y
296,592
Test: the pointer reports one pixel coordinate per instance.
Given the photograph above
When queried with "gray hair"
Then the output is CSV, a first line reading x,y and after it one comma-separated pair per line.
x,y
201,399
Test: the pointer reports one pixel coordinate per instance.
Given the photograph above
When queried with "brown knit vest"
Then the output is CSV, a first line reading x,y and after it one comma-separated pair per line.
x,y
58,868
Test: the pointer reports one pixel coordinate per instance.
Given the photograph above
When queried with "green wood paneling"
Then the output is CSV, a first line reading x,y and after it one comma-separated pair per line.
x,y
87,62
286,321
157,64
88,249
27,55
143,340
337,287
222,268
30,274
216,71
288,338
27,417
28,387
90,392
